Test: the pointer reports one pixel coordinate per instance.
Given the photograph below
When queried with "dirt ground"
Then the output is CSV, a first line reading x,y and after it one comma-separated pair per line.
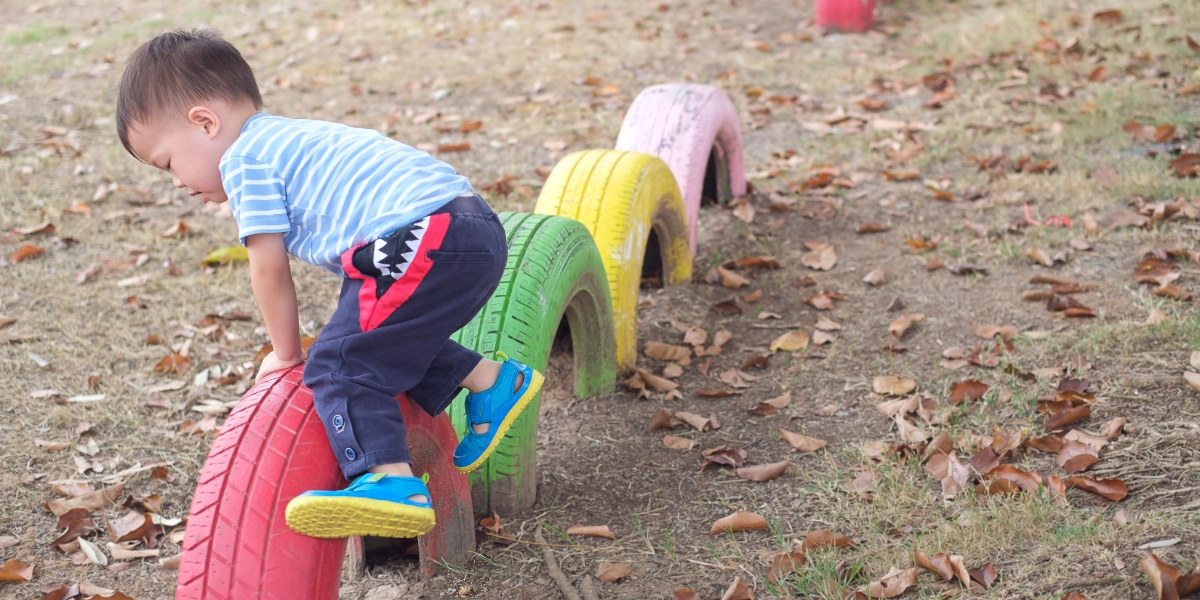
x,y
972,89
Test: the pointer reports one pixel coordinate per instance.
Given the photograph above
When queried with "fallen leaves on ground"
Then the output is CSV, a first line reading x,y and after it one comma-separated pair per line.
x,y
899,326
92,502
891,385
1113,489
668,352
610,572
698,422
590,530
738,590
1167,580
765,472
967,390
26,252
821,256
739,521
802,443
172,363
659,420
891,585
791,341
948,566
134,526
952,474
77,522
15,570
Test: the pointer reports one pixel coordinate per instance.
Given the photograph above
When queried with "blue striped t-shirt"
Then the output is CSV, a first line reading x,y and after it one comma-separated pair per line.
x,y
328,187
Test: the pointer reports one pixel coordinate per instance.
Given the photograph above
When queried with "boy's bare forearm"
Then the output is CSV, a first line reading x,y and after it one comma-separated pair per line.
x,y
275,292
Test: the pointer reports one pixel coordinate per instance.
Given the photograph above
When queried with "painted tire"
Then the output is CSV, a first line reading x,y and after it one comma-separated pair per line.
x,y
554,272
694,129
270,449
623,197
850,16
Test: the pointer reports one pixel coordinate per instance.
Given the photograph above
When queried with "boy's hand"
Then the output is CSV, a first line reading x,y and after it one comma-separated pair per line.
x,y
271,363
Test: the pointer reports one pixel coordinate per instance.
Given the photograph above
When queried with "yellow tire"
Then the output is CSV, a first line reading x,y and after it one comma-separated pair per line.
x,y
630,202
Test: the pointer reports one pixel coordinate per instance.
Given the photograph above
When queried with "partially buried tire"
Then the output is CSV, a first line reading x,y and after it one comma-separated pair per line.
x,y
271,448
554,272
631,205
694,129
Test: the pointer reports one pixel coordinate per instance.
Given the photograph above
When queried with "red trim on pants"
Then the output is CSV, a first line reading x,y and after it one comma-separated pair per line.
x,y
372,310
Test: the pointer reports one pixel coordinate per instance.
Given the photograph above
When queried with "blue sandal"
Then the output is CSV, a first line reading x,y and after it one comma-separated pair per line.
x,y
500,406
374,504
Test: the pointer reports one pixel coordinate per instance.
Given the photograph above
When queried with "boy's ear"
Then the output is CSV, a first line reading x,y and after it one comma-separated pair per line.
x,y
206,119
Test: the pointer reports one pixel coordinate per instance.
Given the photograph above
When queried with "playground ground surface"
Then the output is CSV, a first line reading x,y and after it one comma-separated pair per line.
x,y
1050,81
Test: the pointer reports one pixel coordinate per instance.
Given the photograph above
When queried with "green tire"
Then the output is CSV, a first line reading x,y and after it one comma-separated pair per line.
x,y
554,271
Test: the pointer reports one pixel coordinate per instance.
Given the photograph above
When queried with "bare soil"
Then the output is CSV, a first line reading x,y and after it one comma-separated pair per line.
x,y
418,70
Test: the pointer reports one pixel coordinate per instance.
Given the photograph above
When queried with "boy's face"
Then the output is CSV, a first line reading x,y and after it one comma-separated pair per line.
x,y
189,148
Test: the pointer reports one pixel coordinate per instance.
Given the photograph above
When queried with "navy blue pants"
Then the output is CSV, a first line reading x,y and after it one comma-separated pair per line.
x,y
402,299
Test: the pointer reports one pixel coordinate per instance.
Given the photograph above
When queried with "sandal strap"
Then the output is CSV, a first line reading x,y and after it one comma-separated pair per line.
x,y
480,406
408,486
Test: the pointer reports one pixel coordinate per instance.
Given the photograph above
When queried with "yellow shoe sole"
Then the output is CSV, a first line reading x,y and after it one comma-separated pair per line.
x,y
339,517
535,385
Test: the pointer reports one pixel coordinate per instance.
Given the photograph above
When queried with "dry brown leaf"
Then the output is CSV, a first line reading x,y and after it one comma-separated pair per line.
x,y
783,563
791,341
1113,489
668,352
675,442
656,383
903,323
902,175
967,390
134,526
172,363
731,279
939,564
698,422
821,257
25,252
893,385
1113,428
1039,256
659,420
893,584
91,502
765,472
610,572
590,530
802,443
738,590
15,570
739,521
876,277
822,538
862,483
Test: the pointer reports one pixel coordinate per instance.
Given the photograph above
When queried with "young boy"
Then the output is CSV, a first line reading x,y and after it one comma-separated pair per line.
x,y
419,252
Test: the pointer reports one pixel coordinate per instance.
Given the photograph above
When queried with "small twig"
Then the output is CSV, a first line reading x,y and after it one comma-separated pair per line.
x,y
541,541
564,585
587,588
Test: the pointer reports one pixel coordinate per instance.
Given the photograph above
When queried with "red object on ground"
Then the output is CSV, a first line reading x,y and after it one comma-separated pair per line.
x,y
848,16
270,449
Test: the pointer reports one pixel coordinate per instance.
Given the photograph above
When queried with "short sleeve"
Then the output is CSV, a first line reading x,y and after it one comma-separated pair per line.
x,y
257,196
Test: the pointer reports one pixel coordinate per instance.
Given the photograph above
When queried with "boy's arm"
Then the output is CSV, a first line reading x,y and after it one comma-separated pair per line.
x,y
271,279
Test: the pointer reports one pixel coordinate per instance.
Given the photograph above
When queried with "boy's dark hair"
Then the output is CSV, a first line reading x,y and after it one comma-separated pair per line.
x,y
178,69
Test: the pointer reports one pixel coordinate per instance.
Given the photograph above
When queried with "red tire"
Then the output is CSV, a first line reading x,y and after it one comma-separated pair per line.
x,y
270,449
695,130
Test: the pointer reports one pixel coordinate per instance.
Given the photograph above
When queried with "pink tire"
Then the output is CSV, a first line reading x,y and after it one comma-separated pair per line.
x,y
695,130
270,449
850,16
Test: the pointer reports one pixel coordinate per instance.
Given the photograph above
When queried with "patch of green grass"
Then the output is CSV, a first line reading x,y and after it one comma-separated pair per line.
x,y
37,32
